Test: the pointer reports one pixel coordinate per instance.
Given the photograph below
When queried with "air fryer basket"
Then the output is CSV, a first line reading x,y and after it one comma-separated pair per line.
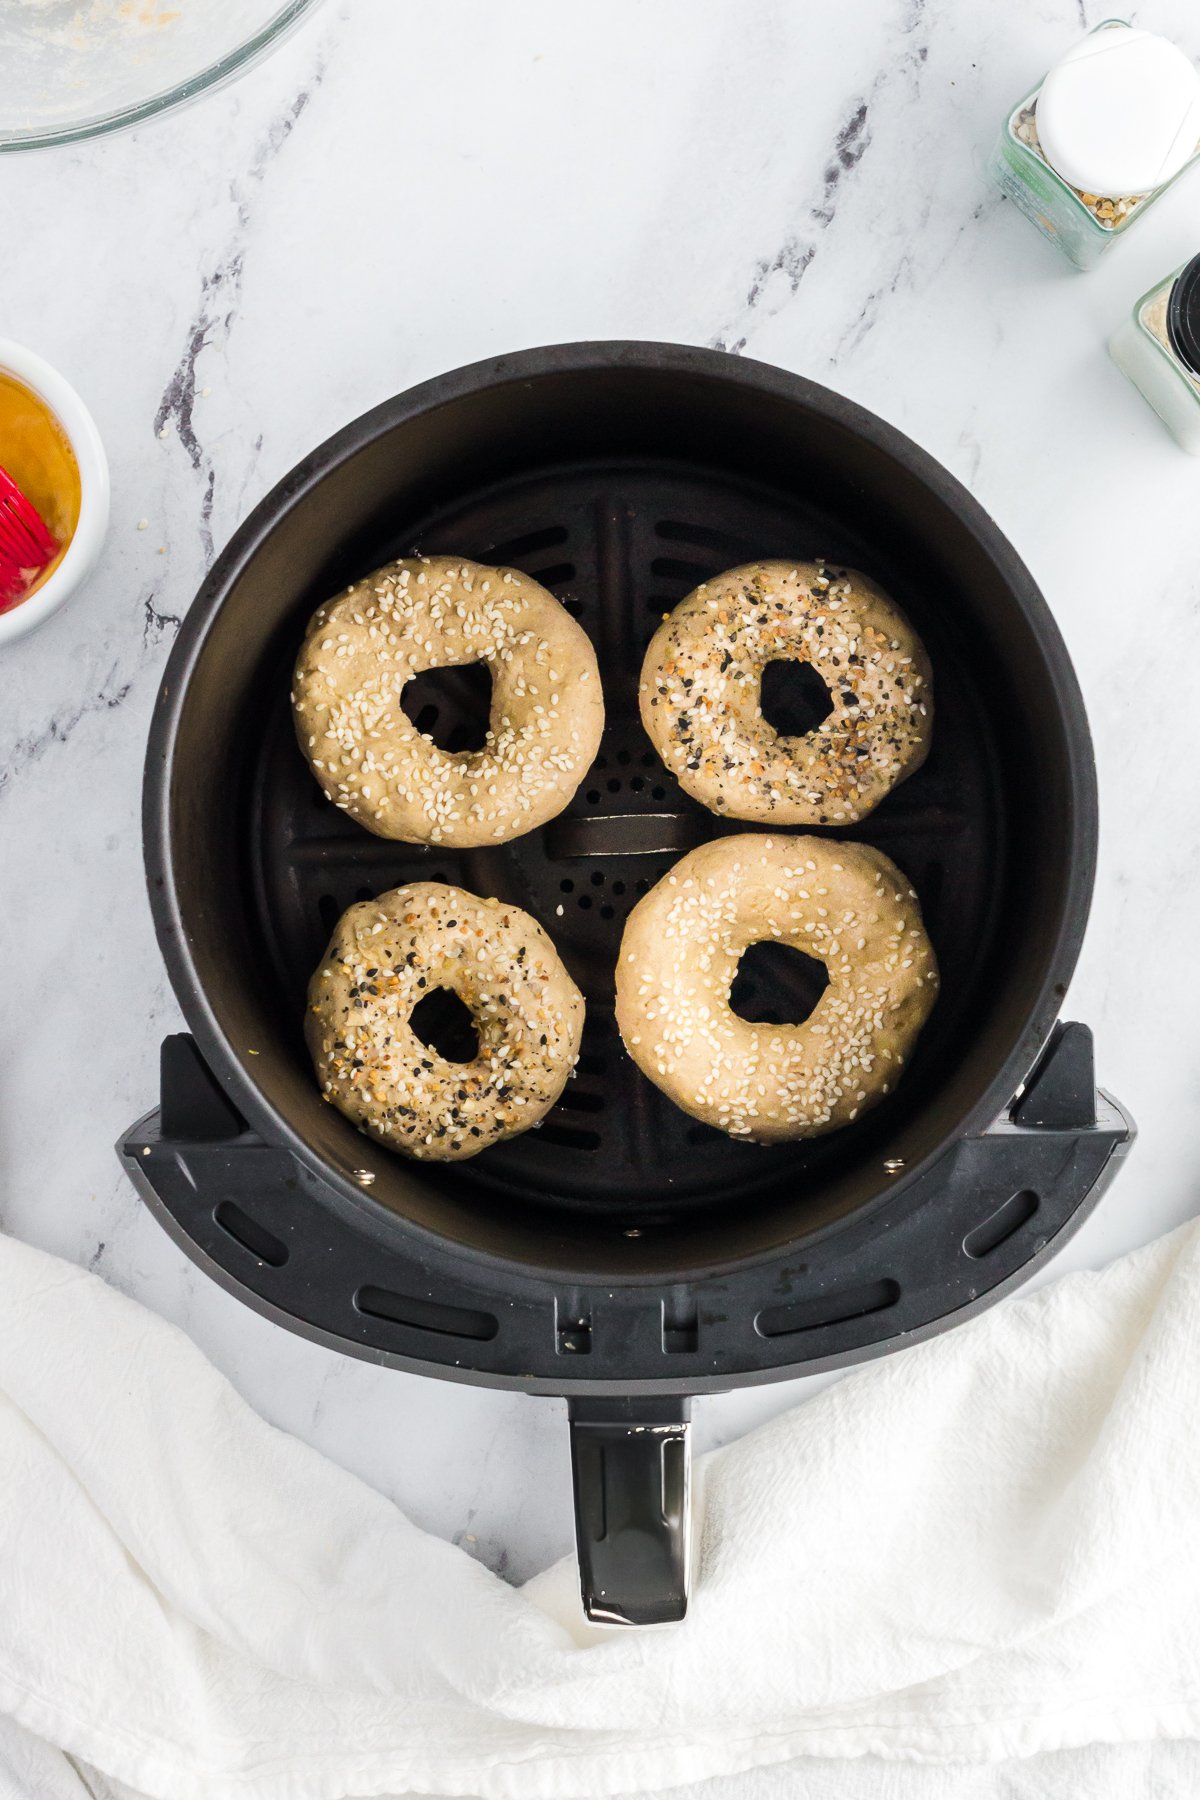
x,y
620,546
620,476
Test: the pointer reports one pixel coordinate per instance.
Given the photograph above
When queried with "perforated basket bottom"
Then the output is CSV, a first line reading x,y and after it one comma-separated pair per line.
x,y
620,546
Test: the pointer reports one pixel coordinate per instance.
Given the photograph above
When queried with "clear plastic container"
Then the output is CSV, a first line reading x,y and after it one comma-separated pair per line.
x,y
1158,348
1079,223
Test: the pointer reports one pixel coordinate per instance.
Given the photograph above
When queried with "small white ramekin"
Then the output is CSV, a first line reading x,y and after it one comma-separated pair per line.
x,y
84,547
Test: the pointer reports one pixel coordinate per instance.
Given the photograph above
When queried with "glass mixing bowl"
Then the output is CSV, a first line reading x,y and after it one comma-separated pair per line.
x,y
70,69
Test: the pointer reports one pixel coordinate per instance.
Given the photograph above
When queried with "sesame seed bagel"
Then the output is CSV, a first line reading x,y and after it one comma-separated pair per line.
x,y
701,693
437,612
383,957
845,904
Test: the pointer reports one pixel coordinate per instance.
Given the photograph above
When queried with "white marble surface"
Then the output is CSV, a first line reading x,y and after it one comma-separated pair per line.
x,y
405,188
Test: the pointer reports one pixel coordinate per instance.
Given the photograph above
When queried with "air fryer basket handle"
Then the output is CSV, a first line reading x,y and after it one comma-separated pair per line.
x,y
631,1462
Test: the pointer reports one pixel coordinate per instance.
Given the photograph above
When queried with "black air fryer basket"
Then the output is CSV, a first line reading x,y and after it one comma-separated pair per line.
x,y
622,1254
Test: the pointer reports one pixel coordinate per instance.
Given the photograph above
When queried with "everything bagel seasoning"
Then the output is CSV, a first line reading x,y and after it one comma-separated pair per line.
x,y
384,956
700,694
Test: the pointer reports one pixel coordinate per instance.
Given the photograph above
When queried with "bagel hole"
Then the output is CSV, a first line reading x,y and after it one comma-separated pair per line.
x,y
777,985
451,705
794,698
443,1022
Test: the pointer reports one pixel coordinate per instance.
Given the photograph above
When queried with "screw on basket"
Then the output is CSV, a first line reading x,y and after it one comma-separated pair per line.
x,y
26,544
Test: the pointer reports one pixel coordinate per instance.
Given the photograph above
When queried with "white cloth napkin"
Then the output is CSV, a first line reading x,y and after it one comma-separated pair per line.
x,y
981,1549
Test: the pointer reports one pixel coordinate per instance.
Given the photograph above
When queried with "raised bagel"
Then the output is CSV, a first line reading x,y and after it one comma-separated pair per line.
x,y
845,904
435,612
701,684
384,957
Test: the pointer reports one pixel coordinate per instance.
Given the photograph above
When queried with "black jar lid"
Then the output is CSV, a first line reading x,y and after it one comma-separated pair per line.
x,y
1183,316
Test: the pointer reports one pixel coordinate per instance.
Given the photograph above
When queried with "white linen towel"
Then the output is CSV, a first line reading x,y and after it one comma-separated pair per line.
x,y
983,1548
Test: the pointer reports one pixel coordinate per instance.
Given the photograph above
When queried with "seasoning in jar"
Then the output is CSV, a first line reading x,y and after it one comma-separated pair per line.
x,y
36,455
1158,347
1107,131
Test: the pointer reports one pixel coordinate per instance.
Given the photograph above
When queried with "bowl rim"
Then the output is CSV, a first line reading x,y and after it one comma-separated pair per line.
x,y
45,381
169,908
235,62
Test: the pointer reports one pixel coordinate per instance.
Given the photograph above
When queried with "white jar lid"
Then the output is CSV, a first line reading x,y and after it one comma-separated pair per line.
x,y
1120,114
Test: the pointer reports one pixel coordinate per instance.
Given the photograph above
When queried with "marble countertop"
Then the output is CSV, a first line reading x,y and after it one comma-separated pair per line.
x,y
405,188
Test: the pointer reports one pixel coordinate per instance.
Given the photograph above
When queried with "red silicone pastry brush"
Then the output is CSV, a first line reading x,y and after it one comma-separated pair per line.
x,y
26,543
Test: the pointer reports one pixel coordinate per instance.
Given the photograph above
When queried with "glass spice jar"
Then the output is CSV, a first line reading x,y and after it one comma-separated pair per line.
x,y
1158,347
1101,138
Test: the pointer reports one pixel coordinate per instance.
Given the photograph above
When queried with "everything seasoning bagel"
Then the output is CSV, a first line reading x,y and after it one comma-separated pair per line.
x,y
384,957
700,694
